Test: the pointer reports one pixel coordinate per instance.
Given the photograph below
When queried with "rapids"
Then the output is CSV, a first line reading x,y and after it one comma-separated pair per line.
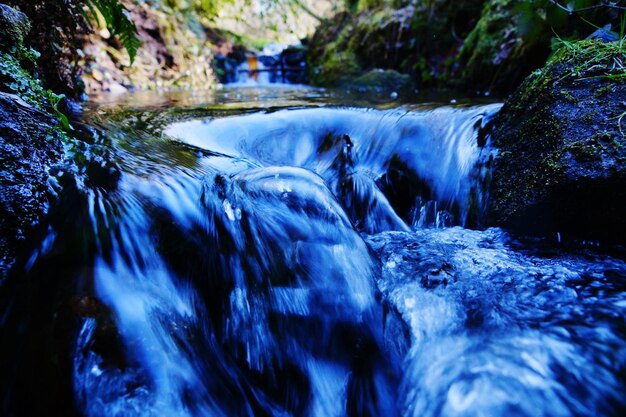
x,y
277,253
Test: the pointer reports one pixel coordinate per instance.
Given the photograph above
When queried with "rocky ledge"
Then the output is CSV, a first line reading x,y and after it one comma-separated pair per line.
x,y
561,167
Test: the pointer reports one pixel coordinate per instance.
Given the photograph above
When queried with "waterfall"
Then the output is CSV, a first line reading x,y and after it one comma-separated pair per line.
x,y
424,164
276,65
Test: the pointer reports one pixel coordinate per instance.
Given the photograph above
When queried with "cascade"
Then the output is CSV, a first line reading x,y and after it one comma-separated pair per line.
x,y
303,260
275,65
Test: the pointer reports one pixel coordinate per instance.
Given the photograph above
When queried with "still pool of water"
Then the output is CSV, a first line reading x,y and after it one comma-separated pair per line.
x,y
299,252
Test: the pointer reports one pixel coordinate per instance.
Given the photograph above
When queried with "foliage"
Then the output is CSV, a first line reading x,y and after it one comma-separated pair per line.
x,y
210,9
58,33
206,8
15,78
586,58
573,18
118,23
514,37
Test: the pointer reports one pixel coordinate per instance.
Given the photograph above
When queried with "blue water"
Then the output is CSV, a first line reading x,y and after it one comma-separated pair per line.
x,y
281,254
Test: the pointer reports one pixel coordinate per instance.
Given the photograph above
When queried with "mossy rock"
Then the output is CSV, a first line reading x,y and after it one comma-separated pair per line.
x,y
380,81
327,58
438,29
419,39
503,48
337,68
14,27
561,166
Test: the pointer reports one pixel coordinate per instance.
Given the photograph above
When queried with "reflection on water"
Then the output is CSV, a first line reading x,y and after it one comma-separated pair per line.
x,y
260,253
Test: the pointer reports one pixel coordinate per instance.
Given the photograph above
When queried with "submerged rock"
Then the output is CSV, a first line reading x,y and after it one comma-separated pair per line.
x,y
562,160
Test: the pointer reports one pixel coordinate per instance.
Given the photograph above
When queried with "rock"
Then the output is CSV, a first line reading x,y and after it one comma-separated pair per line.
x,y
293,60
379,81
28,146
14,26
116,89
561,166
604,34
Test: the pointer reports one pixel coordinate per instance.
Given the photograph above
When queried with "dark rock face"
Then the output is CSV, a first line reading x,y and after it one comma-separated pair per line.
x,y
14,27
562,160
29,145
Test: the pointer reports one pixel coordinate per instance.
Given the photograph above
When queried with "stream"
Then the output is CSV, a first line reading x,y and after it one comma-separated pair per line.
x,y
293,251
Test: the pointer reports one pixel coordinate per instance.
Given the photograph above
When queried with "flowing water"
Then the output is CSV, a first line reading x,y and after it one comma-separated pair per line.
x,y
278,253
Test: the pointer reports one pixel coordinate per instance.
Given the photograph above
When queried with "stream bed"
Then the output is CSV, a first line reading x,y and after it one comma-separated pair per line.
x,y
294,252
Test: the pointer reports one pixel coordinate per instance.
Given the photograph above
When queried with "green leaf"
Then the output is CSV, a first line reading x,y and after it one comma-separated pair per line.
x,y
119,24
54,100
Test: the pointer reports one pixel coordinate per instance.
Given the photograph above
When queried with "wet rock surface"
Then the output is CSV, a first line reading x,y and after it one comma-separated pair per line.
x,y
561,167
29,145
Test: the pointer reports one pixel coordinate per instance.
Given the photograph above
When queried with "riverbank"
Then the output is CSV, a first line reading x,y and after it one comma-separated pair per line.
x,y
482,47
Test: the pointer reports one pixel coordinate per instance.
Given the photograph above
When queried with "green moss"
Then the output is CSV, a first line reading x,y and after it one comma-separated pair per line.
x,y
14,27
382,80
331,58
15,58
592,59
557,128
364,5
337,67
585,151
16,79
484,42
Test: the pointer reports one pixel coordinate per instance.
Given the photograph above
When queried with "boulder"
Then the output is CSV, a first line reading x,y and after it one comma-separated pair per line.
x,y
561,166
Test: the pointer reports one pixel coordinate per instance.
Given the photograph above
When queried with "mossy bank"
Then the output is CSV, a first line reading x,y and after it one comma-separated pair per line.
x,y
476,46
561,167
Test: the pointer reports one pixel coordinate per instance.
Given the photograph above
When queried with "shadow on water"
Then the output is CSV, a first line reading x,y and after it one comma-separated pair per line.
x,y
255,253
